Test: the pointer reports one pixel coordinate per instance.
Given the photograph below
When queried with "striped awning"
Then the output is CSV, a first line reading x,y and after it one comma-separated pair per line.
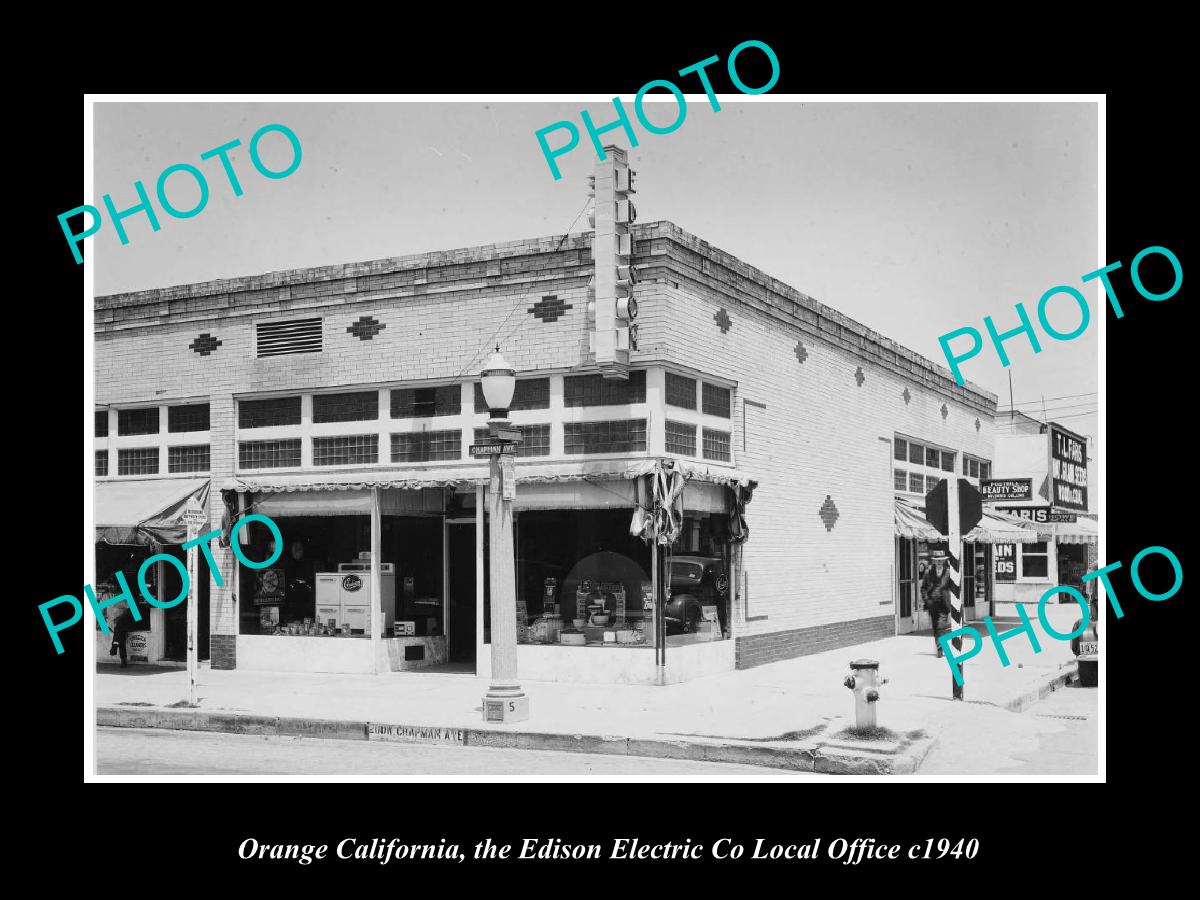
x,y
993,528
146,512
476,473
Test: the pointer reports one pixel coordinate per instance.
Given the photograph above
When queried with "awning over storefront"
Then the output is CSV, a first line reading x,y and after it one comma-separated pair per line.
x,y
993,528
1081,531
451,476
146,512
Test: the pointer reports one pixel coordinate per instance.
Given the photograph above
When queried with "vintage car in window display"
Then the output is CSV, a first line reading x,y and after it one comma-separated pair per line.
x,y
697,582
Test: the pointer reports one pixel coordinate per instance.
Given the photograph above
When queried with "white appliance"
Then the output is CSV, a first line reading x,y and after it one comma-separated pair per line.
x,y
346,596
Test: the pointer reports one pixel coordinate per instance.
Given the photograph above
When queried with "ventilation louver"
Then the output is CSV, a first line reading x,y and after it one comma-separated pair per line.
x,y
280,338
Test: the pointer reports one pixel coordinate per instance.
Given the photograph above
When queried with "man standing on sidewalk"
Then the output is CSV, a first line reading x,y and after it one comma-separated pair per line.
x,y
935,587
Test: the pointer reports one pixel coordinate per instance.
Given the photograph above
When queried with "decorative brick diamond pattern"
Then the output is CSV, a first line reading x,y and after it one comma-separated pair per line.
x,y
722,319
859,376
205,344
366,328
550,308
907,395
801,353
829,513
945,411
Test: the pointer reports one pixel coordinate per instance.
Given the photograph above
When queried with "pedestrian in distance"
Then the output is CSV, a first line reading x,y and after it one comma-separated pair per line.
x,y
121,629
935,588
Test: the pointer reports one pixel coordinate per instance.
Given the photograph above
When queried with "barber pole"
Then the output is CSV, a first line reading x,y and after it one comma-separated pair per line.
x,y
954,507
954,551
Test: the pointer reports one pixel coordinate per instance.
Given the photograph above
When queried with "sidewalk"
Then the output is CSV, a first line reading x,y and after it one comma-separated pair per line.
x,y
785,714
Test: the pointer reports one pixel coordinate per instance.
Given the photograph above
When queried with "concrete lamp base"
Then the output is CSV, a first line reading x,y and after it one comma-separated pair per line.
x,y
504,709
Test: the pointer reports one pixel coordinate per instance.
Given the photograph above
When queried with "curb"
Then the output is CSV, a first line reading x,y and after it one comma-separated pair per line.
x,y
804,756
1070,672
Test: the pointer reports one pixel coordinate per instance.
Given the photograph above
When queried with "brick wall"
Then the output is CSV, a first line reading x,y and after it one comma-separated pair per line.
x,y
758,649
222,651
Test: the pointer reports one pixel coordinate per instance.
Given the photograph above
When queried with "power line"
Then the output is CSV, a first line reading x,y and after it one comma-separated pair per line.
x,y
521,299
1049,399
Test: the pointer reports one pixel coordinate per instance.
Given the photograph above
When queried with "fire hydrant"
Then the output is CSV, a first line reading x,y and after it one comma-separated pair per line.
x,y
864,680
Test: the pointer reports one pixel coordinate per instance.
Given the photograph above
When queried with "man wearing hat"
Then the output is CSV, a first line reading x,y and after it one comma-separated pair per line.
x,y
935,588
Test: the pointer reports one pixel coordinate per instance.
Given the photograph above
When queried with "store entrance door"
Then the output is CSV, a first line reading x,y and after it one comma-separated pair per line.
x,y
460,589
906,587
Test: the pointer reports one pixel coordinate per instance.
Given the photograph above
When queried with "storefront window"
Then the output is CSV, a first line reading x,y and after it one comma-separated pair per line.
x,y
901,478
1035,561
139,461
716,445
681,438
188,459
423,446
581,578
137,421
916,483
623,436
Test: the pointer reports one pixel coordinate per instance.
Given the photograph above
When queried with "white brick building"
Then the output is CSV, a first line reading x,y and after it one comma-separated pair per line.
x,y
792,394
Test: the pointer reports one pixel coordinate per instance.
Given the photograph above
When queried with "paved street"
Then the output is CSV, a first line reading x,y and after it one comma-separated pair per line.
x,y
150,752
1058,735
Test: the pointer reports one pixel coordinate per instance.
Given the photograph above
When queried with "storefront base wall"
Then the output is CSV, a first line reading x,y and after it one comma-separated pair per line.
x,y
614,665
222,650
758,649
344,656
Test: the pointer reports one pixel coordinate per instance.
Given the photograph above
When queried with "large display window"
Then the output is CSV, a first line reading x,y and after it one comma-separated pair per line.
x,y
321,584
582,579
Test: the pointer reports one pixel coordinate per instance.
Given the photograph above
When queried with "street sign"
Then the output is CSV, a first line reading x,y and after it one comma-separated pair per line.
x,y
994,489
1063,517
970,507
504,432
492,447
1039,515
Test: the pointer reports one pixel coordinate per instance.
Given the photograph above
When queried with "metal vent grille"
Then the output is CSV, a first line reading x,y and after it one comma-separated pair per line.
x,y
281,338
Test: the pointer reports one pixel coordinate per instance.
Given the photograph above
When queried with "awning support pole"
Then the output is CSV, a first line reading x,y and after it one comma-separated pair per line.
x,y
376,586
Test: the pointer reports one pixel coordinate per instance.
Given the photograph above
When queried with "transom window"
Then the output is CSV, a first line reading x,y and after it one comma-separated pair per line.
x,y
426,402
535,439
422,446
596,390
620,436
283,454
716,400
138,461
716,445
681,392
269,413
192,417
188,459
530,393
345,450
359,406
137,421
681,437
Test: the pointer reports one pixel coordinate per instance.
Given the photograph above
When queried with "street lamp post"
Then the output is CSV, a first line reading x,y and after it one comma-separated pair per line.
x,y
504,701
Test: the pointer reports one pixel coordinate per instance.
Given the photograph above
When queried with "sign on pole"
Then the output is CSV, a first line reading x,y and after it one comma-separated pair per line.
x,y
194,517
493,448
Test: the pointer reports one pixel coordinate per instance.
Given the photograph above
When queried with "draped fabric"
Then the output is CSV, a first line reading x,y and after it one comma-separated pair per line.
x,y
229,516
659,497
668,501
739,496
